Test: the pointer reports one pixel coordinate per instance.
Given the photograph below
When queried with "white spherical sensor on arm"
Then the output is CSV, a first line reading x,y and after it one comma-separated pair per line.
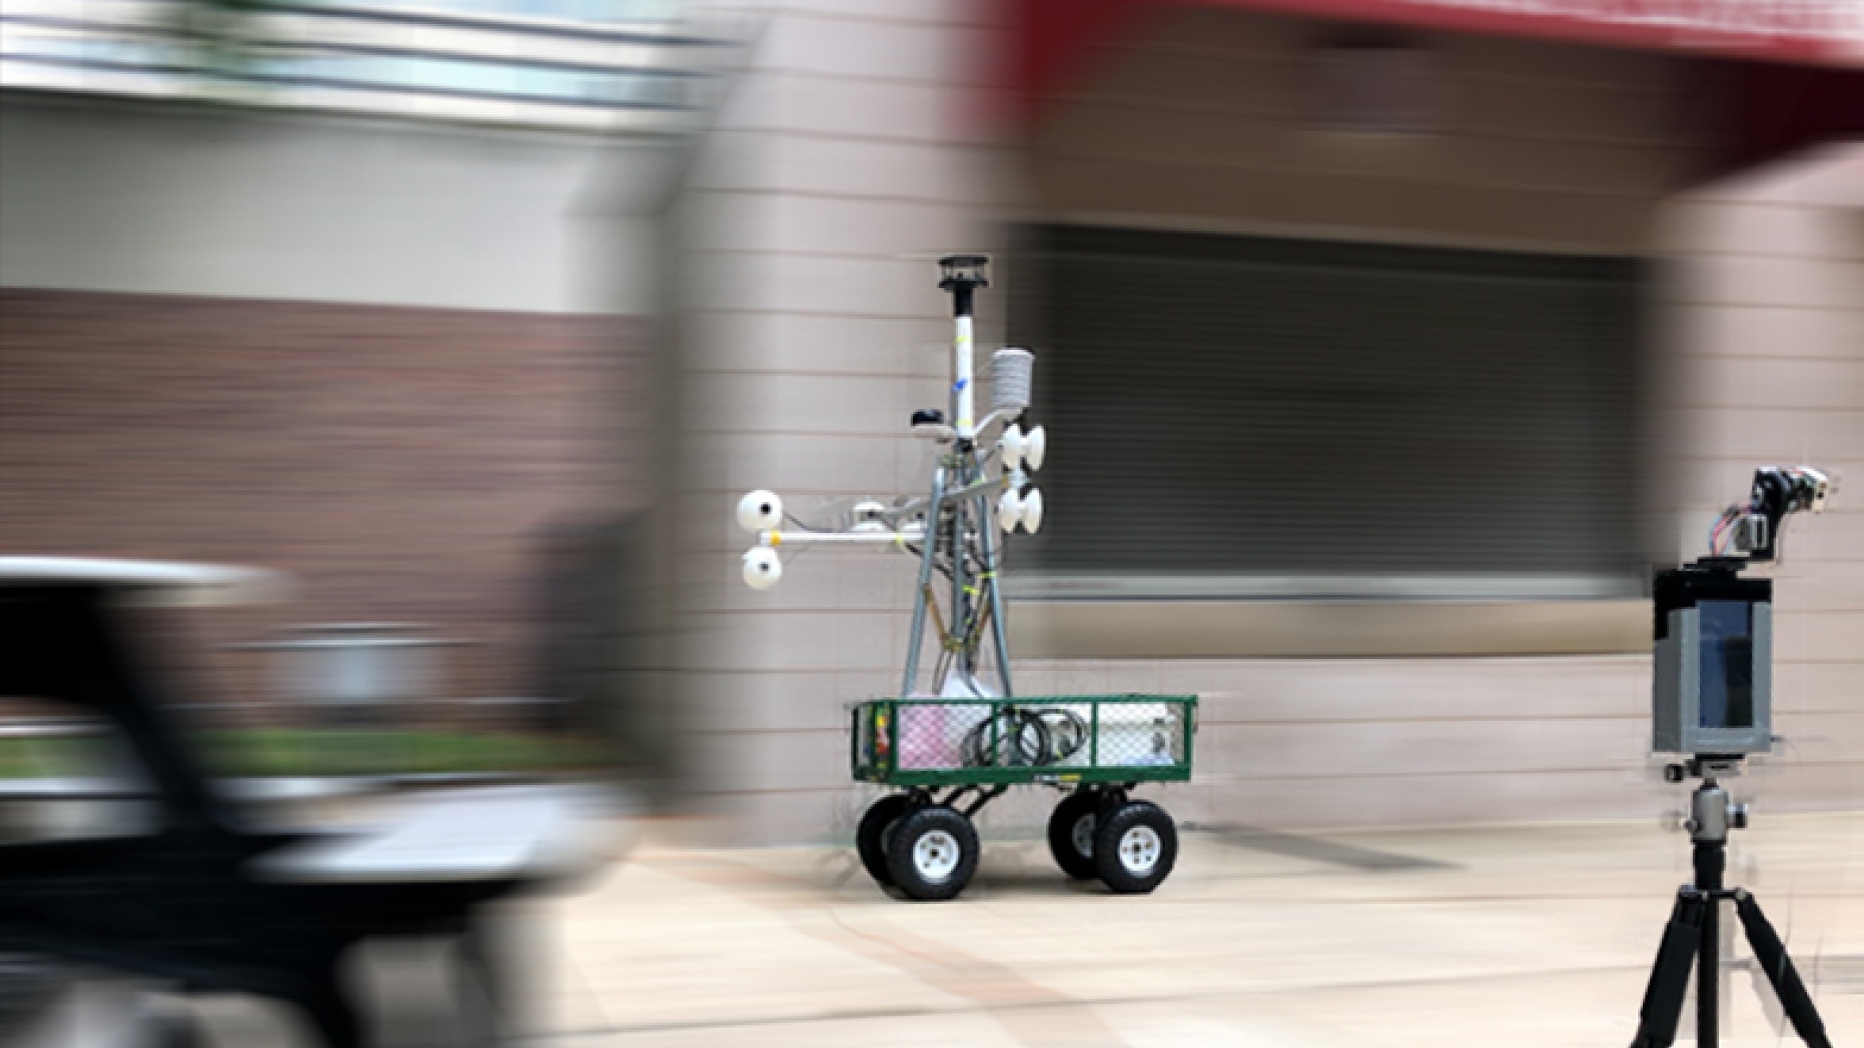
x,y
762,568
760,511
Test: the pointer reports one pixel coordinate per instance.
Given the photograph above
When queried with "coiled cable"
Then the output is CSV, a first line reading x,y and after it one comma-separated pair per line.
x,y
1018,738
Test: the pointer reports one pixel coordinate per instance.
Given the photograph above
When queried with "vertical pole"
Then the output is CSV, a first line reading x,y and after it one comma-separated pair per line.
x,y
962,275
917,636
1709,831
1708,956
963,396
960,607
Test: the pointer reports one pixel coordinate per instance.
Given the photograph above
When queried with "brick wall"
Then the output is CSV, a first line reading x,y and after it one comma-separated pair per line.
x,y
404,463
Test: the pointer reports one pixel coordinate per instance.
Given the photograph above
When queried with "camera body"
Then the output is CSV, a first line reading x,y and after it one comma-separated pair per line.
x,y
1712,685
1712,679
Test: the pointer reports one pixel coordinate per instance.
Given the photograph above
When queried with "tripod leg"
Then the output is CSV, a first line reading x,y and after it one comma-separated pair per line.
x,y
1770,953
1669,976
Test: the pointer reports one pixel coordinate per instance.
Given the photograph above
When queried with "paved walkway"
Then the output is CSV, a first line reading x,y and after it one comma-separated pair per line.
x,y
1518,937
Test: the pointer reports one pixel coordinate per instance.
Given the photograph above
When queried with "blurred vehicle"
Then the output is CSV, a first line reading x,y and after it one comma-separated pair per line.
x,y
171,878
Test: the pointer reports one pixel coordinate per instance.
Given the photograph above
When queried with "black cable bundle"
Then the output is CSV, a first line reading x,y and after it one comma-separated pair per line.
x,y
1024,738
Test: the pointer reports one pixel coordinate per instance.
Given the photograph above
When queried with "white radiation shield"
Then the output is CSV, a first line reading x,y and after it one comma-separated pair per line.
x,y
1035,448
760,511
1011,444
1032,511
1009,511
762,568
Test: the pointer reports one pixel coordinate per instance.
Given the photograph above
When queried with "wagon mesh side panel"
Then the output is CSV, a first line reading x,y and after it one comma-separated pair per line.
x,y
1139,734
938,736
1023,739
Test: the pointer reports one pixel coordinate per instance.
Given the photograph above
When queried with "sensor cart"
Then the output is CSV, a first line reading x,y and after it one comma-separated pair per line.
x,y
949,749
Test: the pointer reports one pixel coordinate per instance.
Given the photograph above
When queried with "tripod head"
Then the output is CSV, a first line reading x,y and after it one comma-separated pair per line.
x,y
1711,811
1706,766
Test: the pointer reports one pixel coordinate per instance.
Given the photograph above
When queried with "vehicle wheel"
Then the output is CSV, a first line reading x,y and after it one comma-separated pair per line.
x,y
168,1026
1135,847
870,839
932,853
1071,835
481,983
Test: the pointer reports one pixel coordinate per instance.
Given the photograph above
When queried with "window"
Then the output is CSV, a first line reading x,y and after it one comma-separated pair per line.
x,y
67,774
1245,416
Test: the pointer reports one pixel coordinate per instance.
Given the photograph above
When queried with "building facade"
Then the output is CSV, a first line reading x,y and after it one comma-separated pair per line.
x,y
1382,363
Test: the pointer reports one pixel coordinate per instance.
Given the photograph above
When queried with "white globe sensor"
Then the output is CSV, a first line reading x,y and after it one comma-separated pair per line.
x,y
762,569
1009,510
1035,448
870,517
1012,444
760,511
1032,511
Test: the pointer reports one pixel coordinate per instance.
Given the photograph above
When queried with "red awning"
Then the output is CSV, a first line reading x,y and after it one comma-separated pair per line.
x,y
1812,50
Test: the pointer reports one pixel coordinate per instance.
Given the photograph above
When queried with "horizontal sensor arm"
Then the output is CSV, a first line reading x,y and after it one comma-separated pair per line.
x,y
840,538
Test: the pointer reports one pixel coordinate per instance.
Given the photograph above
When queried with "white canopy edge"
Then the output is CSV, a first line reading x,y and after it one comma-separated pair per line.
x,y
158,582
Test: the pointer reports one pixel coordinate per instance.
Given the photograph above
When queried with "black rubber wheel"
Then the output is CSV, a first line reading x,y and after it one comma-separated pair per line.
x,y
169,1027
1135,847
870,839
1071,835
932,853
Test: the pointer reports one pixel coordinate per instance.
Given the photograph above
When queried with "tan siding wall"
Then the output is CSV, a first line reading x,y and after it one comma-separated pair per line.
x,y
1766,324
811,327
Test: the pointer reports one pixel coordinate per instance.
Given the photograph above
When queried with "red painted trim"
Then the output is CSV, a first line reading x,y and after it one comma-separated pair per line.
x,y
1795,31
1770,110
1051,42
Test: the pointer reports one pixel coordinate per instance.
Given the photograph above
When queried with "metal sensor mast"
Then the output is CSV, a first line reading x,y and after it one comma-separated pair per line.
x,y
978,489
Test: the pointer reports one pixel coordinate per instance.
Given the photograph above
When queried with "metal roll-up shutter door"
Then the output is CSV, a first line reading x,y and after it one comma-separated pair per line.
x,y
1244,407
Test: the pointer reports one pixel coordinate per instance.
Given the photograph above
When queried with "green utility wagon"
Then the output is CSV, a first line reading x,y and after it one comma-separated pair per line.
x,y
1097,748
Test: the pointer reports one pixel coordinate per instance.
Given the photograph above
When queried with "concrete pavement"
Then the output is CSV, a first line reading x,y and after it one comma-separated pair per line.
x,y
1505,937
1524,937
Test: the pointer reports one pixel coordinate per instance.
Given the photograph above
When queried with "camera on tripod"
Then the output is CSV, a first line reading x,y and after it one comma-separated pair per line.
x,y
1712,692
1712,702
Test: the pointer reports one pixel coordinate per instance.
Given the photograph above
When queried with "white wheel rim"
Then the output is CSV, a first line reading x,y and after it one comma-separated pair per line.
x,y
935,856
1139,850
1083,836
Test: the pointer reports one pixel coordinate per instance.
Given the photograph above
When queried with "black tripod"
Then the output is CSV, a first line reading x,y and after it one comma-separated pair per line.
x,y
1694,935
